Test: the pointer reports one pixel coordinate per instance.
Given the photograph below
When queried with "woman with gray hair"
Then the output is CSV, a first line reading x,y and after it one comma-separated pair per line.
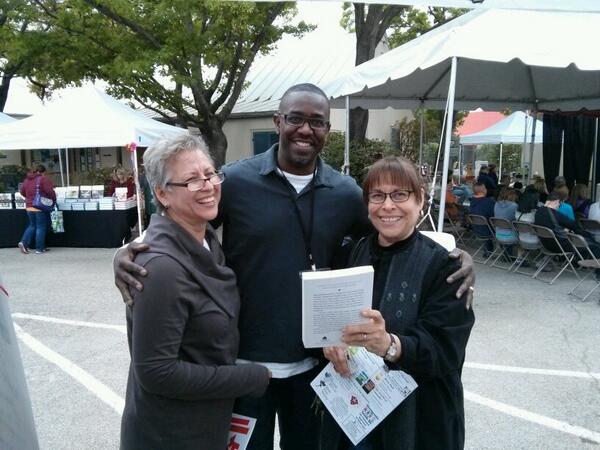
x,y
182,331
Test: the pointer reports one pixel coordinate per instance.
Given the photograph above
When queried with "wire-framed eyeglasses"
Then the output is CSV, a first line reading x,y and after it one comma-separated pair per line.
x,y
197,184
295,120
399,196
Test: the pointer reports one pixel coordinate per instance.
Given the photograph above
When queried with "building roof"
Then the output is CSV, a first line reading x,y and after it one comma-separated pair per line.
x,y
479,120
317,57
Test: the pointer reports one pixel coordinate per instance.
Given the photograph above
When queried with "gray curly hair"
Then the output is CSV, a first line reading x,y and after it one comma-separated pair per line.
x,y
157,157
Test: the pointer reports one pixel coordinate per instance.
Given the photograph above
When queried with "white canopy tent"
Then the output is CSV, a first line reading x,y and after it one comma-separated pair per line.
x,y
6,119
476,61
85,117
514,129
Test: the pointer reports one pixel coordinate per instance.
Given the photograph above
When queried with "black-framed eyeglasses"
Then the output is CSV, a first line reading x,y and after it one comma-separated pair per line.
x,y
197,184
399,196
295,120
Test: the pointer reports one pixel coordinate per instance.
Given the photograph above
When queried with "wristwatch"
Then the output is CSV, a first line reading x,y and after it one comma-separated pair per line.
x,y
392,349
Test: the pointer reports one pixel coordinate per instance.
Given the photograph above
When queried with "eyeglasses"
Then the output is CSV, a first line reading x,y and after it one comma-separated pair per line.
x,y
197,184
294,120
397,196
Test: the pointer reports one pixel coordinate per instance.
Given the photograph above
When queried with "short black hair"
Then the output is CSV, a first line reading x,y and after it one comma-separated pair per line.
x,y
305,87
553,196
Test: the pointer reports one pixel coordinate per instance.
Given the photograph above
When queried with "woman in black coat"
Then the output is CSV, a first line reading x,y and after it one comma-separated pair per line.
x,y
416,323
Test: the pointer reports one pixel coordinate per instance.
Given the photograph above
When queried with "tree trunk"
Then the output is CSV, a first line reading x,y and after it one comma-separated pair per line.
x,y
4,87
212,132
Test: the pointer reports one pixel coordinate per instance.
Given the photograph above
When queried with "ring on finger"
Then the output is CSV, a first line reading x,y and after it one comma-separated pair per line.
x,y
364,336
472,288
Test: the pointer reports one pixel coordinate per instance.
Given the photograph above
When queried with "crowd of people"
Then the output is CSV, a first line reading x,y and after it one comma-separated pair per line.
x,y
558,208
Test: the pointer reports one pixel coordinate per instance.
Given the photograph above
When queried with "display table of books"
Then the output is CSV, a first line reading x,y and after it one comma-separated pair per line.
x,y
103,222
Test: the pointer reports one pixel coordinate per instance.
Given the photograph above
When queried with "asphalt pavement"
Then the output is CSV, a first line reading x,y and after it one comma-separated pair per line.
x,y
531,379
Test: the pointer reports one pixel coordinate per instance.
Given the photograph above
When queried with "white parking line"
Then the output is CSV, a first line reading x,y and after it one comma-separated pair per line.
x,y
532,371
558,425
109,397
77,323
94,385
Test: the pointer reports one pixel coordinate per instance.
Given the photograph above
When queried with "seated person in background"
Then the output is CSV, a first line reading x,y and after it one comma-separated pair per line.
x,y
451,202
564,208
580,200
482,205
527,204
485,179
559,182
540,185
594,212
492,173
461,189
549,216
121,178
506,208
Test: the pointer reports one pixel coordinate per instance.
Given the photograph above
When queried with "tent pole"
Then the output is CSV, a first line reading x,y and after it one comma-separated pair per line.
x,y
138,198
421,136
346,166
532,145
595,162
525,142
460,155
60,163
500,165
451,90
67,159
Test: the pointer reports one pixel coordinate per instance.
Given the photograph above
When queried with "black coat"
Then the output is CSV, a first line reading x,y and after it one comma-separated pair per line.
x,y
421,308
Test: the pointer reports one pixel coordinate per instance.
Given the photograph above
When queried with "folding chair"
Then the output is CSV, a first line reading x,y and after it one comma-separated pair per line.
x,y
549,251
591,226
456,229
477,220
504,244
529,242
587,260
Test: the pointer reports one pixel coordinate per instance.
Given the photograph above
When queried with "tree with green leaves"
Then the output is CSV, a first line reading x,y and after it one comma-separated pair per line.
x,y
398,24
18,49
187,61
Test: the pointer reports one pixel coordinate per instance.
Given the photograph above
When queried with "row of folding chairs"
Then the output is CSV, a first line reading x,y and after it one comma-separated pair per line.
x,y
539,246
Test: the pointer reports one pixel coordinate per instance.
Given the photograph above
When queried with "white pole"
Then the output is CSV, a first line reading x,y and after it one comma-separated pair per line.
x,y
138,198
532,145
500,165
67,159
460,156
60,163
595,162
451,90
421,136
346,167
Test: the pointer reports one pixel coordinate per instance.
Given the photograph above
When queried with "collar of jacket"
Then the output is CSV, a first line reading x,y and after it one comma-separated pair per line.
x,y
322,177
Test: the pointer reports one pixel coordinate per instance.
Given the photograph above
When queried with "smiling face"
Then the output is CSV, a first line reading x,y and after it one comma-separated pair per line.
x,y
190,209
299,146
394,221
